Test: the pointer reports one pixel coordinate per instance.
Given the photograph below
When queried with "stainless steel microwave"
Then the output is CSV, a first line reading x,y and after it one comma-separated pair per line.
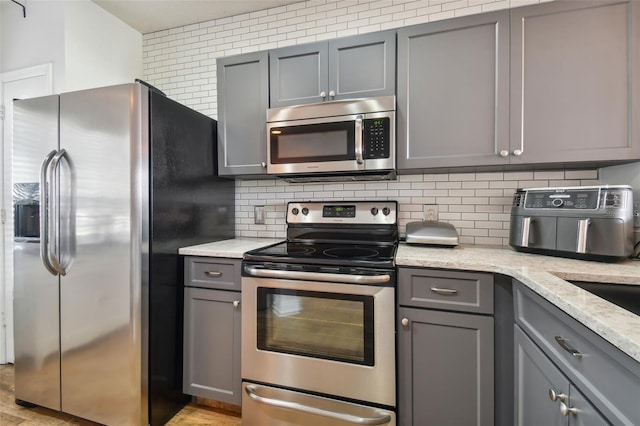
x,y
353,138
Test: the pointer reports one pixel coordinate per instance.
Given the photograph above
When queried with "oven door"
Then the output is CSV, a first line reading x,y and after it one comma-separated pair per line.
x,y
320,145
324,337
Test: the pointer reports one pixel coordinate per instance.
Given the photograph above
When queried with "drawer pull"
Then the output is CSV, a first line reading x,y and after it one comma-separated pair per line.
x,y
213,274
445,291
562,342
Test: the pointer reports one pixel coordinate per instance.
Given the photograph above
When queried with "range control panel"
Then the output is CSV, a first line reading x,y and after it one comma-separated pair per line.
x,y
357,212
574,198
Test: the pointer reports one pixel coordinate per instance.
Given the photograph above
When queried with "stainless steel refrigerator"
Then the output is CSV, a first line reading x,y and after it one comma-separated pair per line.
x,y
108,184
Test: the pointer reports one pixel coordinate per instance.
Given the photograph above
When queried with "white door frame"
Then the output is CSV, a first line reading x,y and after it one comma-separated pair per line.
x,y
44,74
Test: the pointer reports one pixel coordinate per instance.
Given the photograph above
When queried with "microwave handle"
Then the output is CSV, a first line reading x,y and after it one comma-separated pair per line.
x,y
359,140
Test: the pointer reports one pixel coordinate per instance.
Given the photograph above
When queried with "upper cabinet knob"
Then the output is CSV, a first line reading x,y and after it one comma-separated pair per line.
x,y
504,153
332,93
517,152
263,164
323,95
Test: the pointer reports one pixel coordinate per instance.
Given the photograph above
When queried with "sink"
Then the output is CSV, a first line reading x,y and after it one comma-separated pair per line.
x,y
626,296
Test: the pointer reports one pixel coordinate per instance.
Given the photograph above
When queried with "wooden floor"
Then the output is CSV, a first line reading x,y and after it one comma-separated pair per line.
x,y
12,414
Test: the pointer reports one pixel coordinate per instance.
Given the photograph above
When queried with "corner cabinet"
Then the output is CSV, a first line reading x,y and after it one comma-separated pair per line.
x,y
445,348
575,82
565,374
243,99
212,319
349,67
453,92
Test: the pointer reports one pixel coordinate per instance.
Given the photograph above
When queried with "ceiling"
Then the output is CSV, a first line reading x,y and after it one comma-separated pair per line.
x,y
148,16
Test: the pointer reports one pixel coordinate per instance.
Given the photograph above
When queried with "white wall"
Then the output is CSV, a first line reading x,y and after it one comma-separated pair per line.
x,y
88,46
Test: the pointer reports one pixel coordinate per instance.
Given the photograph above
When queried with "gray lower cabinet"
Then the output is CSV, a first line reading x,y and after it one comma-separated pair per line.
x,y
445,358
544,396
565,374
349,67
575,92
453,92
243,99
212,329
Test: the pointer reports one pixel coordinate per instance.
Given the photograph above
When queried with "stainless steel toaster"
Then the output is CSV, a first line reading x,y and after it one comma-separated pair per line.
x,y
585,222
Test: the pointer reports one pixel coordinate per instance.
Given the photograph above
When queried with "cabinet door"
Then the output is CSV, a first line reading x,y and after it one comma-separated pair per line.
x,y
573,97
446,372
362,66
536,377
243,99
212,345
298,74
453,92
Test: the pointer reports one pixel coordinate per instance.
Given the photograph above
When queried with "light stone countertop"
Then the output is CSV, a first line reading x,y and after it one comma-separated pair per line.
x,y
233,248
546,276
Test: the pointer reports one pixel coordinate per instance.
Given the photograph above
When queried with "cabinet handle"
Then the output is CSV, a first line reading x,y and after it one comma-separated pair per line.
x,y
563,343
263,164
565,410
236,303
405,322
332,93
213,274
445,291
553,396
323,95
517,152
504,153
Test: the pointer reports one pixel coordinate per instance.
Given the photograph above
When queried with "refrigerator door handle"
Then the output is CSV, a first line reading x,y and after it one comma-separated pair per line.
x,y
45,196
55,209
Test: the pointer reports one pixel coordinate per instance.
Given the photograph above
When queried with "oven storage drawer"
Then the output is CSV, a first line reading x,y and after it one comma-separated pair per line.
x,y
217,273
266,405
449,290
609,378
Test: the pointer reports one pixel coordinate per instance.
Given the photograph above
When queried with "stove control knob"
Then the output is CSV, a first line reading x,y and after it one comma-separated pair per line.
x,y
386,211
305,211
374,211
295,211
557,202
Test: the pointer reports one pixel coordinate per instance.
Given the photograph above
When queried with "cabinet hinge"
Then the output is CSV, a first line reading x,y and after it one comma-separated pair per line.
x,y
2,108
3,216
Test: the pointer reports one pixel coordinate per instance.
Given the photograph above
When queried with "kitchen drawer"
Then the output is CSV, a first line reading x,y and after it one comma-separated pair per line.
x,y
607,376
450,290
212,272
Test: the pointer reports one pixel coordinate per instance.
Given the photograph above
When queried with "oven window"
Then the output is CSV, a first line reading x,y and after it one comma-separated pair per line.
x,y
320,325
313,143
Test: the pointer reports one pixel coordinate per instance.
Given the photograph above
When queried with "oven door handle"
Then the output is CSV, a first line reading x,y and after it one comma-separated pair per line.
x,y
317,276
382,419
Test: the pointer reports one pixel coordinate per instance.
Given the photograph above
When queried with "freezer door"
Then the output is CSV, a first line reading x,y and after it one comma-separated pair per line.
x,y
103,182
36,290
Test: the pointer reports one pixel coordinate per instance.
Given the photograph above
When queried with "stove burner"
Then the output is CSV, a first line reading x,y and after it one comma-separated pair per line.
x,y
351,252
290,249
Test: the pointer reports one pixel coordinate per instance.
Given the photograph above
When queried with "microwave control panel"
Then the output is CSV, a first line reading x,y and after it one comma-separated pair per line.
x,y
377,138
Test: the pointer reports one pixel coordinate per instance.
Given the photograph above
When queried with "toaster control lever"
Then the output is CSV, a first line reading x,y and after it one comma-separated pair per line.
x,y
583,227
526,227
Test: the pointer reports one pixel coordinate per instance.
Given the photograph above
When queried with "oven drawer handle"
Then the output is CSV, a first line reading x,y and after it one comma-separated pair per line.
x,y
318,276
380,420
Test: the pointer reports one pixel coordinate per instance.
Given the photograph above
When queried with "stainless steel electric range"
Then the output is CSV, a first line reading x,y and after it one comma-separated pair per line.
x,y
318,329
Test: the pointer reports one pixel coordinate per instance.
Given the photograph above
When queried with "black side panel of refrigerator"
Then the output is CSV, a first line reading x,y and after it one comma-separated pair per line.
x,y
189,205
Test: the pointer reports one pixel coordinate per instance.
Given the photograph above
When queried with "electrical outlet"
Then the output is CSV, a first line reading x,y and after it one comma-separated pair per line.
x,y
430,212
258,215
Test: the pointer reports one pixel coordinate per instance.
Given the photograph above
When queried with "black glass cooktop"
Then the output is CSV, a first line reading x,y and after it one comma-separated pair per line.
x,y
373,255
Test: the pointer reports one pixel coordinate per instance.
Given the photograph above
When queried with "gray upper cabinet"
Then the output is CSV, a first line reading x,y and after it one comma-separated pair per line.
x,y
243,99
453,92
572,94
350,67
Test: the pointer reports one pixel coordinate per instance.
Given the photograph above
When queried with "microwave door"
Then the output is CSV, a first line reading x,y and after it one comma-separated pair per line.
x,y
316,146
